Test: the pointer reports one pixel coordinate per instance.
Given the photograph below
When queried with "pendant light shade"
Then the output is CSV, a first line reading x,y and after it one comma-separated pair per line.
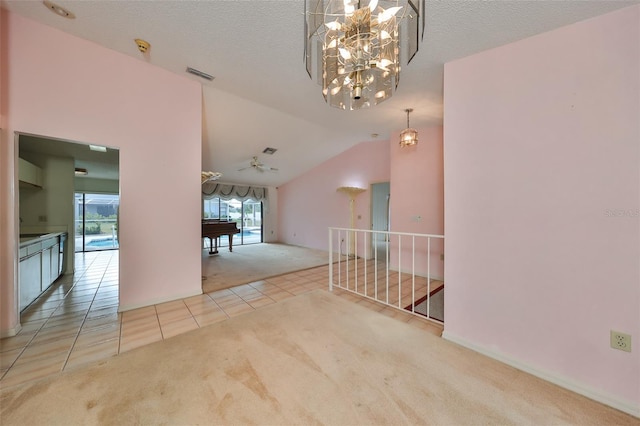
x,y
409,136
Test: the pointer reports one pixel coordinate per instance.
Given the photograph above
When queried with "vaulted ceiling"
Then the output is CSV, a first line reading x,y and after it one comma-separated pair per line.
x,y
262,96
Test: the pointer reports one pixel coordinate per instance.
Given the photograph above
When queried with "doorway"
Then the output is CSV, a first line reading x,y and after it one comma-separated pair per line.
x,y
68,169
247,214
380,215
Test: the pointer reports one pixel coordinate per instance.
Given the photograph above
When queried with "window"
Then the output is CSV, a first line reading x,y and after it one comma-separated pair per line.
x,y
96,221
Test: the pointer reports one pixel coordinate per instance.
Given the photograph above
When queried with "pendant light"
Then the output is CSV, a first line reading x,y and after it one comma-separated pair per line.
x,y
409,136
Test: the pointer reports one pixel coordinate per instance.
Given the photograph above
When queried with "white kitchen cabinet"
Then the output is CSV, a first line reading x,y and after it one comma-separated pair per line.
x,y
41,261
30,279
29,173
55,262
45,269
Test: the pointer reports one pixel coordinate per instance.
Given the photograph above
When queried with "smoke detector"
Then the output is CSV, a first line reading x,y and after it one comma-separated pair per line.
x,y
143,45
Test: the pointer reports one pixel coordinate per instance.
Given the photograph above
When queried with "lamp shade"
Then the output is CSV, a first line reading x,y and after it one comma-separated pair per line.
x,y
408,137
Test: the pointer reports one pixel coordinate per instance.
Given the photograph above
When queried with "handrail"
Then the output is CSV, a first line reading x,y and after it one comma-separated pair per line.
x,y
353,267
371,231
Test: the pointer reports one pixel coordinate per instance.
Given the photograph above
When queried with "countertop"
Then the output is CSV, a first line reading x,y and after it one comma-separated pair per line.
x,y
28,239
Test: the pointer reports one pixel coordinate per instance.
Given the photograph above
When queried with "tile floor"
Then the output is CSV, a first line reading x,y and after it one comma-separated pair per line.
x,y
76,321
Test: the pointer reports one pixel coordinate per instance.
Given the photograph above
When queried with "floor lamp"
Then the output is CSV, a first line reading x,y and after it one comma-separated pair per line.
x,y
352,192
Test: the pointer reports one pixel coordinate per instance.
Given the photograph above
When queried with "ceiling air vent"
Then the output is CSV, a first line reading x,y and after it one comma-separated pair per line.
x,y
269,151
199,73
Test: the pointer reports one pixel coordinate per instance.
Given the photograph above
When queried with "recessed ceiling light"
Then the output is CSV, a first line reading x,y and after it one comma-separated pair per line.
x,y
98,148
81,172
59,10
269,151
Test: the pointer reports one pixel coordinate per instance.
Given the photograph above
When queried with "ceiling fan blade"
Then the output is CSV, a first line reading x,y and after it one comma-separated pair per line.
x,y
254,163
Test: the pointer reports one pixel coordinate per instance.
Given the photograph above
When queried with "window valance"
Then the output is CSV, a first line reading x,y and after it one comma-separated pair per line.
x,y
239,192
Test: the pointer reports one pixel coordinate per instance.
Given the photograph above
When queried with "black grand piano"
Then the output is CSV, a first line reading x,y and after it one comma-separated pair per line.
x,y
214,228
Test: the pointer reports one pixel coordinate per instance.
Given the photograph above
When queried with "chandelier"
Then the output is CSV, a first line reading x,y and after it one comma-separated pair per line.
x,y
357,47
209,176
409,136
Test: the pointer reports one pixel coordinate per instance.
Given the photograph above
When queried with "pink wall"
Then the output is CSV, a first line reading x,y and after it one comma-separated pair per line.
x,y
417,197
8,210
542,194
310,204
64,87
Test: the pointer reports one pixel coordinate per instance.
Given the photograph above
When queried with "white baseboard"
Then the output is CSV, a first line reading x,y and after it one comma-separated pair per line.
x,y
124,308
572,385
10,332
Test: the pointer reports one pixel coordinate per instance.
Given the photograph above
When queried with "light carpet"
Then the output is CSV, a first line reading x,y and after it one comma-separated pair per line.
x,y
256,262
312,359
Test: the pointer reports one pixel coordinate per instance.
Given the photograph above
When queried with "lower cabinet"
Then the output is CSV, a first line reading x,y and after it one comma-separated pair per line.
x,y
46,269
30,279
41,264
55,263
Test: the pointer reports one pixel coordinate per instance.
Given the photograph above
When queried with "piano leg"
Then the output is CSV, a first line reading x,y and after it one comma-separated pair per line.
x,y
230,242
211,243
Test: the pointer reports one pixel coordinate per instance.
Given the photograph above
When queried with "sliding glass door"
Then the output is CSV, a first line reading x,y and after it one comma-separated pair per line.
x,y
247,215
96,219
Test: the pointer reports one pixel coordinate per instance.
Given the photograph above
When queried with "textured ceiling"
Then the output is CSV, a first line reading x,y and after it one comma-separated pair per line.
x,y
261,95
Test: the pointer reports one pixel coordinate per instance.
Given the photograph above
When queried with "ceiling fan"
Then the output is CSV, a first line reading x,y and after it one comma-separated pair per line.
x,y
259,166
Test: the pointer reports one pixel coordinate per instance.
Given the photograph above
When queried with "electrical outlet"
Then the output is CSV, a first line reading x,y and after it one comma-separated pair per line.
x,y
620,341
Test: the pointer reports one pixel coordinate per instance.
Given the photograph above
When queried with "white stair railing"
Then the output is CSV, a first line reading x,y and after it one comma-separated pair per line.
x,y
393,268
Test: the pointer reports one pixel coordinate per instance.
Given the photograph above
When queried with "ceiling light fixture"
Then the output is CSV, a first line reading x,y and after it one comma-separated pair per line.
x,y
358,47
409,136
98,148
209,176
80,172
59,10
